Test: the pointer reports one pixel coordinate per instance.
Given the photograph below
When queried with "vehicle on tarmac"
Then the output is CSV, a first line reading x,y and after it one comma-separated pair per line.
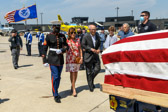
x,y
65,27
5,31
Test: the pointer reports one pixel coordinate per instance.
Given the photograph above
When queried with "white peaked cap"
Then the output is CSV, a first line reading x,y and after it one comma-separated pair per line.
x,y
56,22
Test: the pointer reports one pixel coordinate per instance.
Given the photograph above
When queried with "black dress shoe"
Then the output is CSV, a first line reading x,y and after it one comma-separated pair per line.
x,y
57,99
15,67
94,86
91,89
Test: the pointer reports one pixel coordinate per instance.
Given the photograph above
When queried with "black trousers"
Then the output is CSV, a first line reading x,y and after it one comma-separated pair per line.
x,y
92,69
82,66
28,47
40,48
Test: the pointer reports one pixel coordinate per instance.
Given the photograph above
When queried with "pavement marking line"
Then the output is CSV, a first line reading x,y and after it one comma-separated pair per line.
x,y
98,105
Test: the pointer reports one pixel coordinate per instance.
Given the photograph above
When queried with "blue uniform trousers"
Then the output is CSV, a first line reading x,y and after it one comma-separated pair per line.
x,y
28,47
55,78
40,48
101,45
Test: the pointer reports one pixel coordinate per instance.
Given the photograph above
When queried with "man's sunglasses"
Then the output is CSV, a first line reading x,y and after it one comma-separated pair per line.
x,y
142,15
73,32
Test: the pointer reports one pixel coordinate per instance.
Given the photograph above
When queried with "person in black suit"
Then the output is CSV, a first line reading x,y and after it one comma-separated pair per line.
x,y
80,36
91,44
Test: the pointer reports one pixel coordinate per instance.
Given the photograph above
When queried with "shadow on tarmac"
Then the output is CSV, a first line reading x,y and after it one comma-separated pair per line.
x,y
33,55
25,65
102,71
4,100
67,93
2,51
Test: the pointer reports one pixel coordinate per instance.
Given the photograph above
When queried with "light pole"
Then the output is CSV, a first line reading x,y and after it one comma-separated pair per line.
x,y
132,12
41,18
117,8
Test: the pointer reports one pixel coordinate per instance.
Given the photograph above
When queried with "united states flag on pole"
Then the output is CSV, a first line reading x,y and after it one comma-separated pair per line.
x,y
140,61
22,14
10,16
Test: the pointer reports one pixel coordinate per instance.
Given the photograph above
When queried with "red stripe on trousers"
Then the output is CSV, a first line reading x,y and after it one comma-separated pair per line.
x,y
53,84
143,37
155,55
138,82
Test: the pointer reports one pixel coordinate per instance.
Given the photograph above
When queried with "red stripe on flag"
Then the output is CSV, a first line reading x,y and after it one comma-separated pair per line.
x,y
154,55
10,16
138,82
143,37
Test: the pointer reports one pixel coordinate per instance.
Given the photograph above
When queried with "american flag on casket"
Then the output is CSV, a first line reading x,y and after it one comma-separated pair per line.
x,y
139,61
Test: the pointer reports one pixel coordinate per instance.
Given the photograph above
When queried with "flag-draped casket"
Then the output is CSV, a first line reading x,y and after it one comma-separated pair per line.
x,y
139,61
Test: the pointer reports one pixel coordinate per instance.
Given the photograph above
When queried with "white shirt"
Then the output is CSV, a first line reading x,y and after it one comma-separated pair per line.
x,y
93,39
110,40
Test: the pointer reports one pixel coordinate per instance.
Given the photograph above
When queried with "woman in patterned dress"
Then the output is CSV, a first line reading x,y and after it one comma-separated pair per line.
x,y
73,52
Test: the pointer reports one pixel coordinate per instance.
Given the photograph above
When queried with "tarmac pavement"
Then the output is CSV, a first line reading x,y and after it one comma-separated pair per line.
x,y
28,89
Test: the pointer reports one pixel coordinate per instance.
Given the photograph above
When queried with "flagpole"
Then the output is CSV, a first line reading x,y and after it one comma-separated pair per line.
x,y
25,20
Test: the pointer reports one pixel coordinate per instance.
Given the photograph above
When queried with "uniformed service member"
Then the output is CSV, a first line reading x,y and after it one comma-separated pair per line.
x,y
56,43
28,37
16,46
145,25
40,37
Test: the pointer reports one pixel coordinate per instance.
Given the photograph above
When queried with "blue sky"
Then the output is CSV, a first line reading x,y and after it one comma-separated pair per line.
x,y
94,9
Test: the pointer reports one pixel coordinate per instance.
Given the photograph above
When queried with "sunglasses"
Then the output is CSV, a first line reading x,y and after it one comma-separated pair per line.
x,y
73,32
142,15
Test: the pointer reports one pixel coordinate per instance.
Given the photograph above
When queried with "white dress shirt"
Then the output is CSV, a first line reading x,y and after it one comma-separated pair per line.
x,y
93,39
110,40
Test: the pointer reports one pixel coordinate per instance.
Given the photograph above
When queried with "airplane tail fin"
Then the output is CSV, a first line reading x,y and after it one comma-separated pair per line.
x,y
60,19
0,25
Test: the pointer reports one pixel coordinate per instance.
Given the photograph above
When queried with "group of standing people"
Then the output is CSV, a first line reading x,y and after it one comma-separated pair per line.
x,y
17,45
125,31
29,39
85,47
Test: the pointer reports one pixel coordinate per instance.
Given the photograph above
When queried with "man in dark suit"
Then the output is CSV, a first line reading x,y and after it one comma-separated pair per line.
x,y
80,36
91,44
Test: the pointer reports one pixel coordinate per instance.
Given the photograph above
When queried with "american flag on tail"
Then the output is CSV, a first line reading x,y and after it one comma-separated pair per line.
x,y
10,16
139,61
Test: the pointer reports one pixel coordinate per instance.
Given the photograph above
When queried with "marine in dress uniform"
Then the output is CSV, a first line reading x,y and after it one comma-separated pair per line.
x,y
28,37
16,46
40,37
56,43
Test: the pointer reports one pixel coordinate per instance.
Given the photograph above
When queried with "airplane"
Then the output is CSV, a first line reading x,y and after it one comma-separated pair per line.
x,y
65,28
5,31
100,27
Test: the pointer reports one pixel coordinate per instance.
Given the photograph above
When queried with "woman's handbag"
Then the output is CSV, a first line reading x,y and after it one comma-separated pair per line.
x,y
77,59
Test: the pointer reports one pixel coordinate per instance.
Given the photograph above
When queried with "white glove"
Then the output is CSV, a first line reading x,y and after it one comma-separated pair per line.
x,y
29,43
58,51
42,43
46,65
